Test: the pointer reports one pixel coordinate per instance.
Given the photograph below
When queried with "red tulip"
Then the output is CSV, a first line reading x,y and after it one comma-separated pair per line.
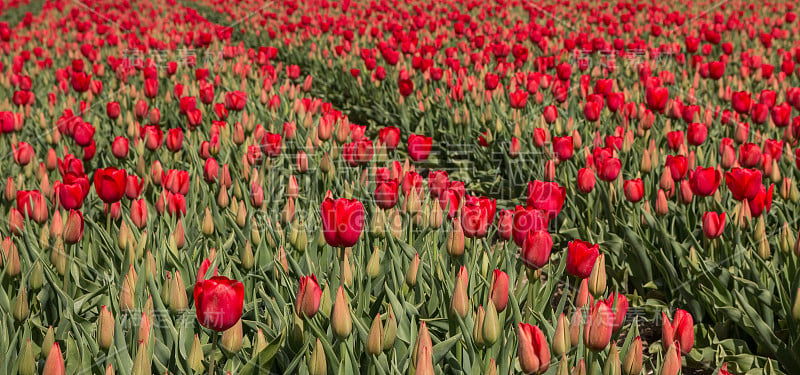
x,y
70,195
218,302
562,147
386,193
490,81
743,183
680,330
342,221
741,101
609,169
599,326
657,98
411,180
546,196
113,110
525,220
634,190
139,213
450,200
505,223
713,224
532,349
581,256
438,181
696,134
762,202
174,139
619,305
119,148
518,99
308,297
749,155
54,365
235,100
705,181
591,110
477,215
675,140
73,229
177,181
32,204
498,292
23,153
586,180
550,114
419,147
109,183
271,144
389,137
678,166
535,250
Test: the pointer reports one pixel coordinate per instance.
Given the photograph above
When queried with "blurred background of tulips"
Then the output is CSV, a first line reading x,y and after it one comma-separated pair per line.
x,y
425,187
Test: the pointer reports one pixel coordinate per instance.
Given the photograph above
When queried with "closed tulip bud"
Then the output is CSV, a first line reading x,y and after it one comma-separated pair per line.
x,y
575,326
491,325
54,365
411,273
110,370
317,364
144,329
612,365
196,355
679,330
232,338
743,216
435,216
178,301
36,279
27,362
645,166
672,361
21,308
456,240
208,223
550,171
477,328
12,265
389,330
597,279
308,297
374,264
599,326
374,343
126,294
247,257
423,342
563,366
178,235
532,350
561,339
341,320
632,365
105,328
787,240
459,303
16,223
287,214
498,292
48,341
662,207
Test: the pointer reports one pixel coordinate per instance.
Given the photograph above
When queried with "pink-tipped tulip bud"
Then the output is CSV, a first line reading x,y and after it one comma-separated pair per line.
x,y
599,326
680,330
532,349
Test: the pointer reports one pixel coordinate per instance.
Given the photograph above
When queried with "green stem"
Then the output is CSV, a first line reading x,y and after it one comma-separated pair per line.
x,y
212,362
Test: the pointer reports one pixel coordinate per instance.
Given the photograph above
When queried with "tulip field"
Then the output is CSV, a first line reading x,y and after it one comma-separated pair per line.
x,y
399,187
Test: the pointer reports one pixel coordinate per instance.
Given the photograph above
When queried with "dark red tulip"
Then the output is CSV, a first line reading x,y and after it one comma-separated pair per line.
x,y
113,110
741,102
762,202
656,98
581,256
174,139
109,183
518,99
342,221
713,224
609,169
477,215
696,134
218,302
749,155
705,181
438,181
591,110
119,148
419,147
235,100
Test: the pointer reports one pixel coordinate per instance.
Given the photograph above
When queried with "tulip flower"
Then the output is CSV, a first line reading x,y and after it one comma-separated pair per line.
x,y
599,326
532,349
54,365
498,292
743,183
218,302
419,147
581,256
546,196
389,137
525,220
585,180
562,147
477,215
109,183
308,297
704,181
679,330
634,190
713,224
535,250
342,221
73,229
386,193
